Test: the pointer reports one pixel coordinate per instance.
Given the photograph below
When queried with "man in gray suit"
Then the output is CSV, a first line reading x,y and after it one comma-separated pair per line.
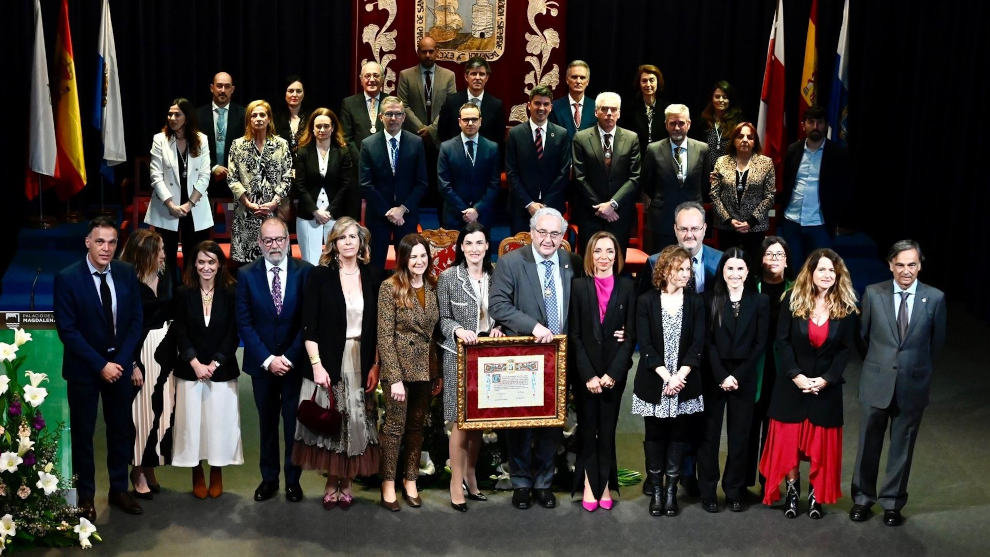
x,y
606,173
530,290
424,88
359,113
673,172
903,329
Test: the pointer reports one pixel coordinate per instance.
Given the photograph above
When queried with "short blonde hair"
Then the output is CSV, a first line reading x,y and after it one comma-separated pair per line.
x,y
248,135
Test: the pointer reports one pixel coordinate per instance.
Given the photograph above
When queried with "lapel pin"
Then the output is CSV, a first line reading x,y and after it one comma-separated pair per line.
x,y
924,300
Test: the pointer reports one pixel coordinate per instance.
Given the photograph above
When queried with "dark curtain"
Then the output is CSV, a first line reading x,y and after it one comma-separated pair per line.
x,y
917,114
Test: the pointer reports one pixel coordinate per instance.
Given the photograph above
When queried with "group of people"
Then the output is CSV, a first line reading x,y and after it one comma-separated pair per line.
x,y
719,333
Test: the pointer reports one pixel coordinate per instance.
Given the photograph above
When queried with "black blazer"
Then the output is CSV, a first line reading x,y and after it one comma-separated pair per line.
x,y
235,129
324,318
492,118
194,339
595,349
796,355
736,345
835,186
338,182
354,120
649,331
285,132
634,118
538,179
383,190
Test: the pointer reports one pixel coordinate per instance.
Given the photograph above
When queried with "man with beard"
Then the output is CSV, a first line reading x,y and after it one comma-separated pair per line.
x,y
816,183
222,121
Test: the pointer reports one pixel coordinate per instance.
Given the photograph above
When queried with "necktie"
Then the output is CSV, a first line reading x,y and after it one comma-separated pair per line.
x,y
277,290
475,101
221,134
677,164
902,316
649,123
470,151
428,95
550,298
539,144
395,153
608,150
106,298
692,285
373,113
577,116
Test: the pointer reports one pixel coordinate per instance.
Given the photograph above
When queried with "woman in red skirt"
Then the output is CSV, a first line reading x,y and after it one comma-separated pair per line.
x,y
815,335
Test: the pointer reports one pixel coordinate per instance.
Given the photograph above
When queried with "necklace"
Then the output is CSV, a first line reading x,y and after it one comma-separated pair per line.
x,y
207,296
343,272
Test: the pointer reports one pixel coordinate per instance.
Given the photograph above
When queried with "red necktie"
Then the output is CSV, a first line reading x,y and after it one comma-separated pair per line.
x,y
539,144
577,116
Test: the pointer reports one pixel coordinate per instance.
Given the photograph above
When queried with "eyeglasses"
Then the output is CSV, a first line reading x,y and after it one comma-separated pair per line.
x,y
554,235
370,76
775,255
269,242
470,121
394,114
693,229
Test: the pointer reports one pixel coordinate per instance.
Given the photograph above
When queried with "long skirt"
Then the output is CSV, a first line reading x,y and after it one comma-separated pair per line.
x,y
152,407
789,443
207,424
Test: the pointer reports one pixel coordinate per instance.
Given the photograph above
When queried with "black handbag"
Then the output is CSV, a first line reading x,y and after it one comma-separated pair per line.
x,y
319,420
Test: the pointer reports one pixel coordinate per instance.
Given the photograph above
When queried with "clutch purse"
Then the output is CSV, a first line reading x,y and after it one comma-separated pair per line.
x,y
320,420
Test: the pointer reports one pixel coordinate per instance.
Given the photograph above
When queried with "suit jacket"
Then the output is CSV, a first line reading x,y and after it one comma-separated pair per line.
x,y
166,183
235,129
634,117
383,189
796,355
835,182
459,305
465,185
896,370
406,336
263,332
195,339
82,327
338,182
598,183
649,332
562,113
492,118
757,197
516,298
354,119
410,90
593,344
324,318
285,132
660,181
736,345
538,179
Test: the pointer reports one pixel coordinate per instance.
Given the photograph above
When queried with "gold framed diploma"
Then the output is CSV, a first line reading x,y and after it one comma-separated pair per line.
x,y
511,382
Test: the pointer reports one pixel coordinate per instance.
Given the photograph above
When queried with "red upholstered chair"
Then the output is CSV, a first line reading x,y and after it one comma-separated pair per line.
x,y
441,248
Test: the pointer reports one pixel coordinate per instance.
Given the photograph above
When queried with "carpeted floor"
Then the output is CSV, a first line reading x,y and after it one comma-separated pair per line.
x,y
945,515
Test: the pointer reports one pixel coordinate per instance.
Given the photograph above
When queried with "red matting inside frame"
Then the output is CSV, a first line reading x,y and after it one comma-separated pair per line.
x,y
549,408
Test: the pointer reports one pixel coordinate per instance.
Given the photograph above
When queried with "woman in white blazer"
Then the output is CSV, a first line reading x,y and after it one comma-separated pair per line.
x,y
180,176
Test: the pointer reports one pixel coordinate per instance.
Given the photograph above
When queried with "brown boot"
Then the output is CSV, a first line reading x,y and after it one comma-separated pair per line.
x,y
216,481
199,482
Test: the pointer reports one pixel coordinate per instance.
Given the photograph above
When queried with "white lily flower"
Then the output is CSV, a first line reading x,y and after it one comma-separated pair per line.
x,y
24,444
9,462
35,395
7,526
21,337
36,378
4,383
85,543
47,482
85,528
8,351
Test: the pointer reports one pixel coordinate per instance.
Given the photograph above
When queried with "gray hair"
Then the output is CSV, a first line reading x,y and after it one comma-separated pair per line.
x,y
580,63
608,97
370,63
673,109
544,211
904,245
690,205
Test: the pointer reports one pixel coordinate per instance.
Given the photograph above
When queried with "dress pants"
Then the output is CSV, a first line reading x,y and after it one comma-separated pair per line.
x,y
802,240
274,396
189,237
597,418
531,456
903,433
83,398
404,423
385,234
739,418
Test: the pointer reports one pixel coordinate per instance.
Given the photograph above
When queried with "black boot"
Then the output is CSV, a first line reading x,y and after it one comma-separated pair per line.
x,y
654,461
670,494
791,498
656,494
815,510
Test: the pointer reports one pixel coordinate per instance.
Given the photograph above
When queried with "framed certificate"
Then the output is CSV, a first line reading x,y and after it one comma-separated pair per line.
x,y
511,382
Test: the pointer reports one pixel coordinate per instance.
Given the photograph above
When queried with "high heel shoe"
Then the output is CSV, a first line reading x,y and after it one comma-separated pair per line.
x,y
216,481
606,504
330,500
390,505
791,498
459,507
136,475
589,506
477,496
199,482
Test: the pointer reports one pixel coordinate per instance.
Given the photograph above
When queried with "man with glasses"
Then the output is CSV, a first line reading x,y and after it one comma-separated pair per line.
x,y
222,121
522,308
468,173
392,175
359,114
269,321
476,75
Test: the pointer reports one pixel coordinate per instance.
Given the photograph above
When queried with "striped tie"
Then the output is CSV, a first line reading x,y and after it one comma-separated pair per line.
x,y
539,144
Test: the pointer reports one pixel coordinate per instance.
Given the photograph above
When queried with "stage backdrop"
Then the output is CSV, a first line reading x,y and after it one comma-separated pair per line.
x,y
522,40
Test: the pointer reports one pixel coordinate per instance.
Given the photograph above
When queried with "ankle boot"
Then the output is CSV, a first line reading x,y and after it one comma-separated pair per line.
x,y
654,461
656,494
815,510
791,498
216,481
670,494
199,482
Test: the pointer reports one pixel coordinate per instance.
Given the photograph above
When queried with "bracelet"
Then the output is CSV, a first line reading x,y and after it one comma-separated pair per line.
x,y
314,359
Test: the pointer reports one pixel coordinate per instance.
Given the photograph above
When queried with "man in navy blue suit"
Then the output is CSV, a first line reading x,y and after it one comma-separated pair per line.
x,y
392,175
99,317
468,173
575,111
269,320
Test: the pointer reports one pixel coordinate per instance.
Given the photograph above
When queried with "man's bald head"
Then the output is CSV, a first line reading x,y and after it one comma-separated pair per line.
x,y
222,88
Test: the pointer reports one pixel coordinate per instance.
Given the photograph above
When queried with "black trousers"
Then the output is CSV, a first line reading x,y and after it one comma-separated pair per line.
x,y
903,434
665,440
739,420
276,396
83,398
189,237
597,419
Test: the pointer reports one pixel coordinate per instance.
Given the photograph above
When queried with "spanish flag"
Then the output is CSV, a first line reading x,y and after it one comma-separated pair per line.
x,y
808,95
70,164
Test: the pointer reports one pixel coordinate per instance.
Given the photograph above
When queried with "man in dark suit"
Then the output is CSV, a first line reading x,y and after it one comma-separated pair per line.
x,y
359,113
816,189
468,173
269,321
222,121
392,175
537,162
606,173
673,172
903,330
476,75
424,89
530,291
575,111
99,316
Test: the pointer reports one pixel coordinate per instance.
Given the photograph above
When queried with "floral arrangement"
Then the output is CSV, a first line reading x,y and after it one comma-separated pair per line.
x,y
32,508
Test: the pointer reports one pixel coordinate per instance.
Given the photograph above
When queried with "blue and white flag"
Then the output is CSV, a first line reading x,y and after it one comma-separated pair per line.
x,y
838,104
108,115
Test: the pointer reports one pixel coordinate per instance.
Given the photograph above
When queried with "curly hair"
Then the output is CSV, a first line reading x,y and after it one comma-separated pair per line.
x,y
841,298
670,259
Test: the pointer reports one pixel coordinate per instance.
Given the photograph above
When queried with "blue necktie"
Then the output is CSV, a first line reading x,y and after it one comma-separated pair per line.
x,y
470,151
221,134
395,153
550,298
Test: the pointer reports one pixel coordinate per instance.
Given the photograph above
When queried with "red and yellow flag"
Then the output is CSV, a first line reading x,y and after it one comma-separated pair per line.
x,y
808,95
70,163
